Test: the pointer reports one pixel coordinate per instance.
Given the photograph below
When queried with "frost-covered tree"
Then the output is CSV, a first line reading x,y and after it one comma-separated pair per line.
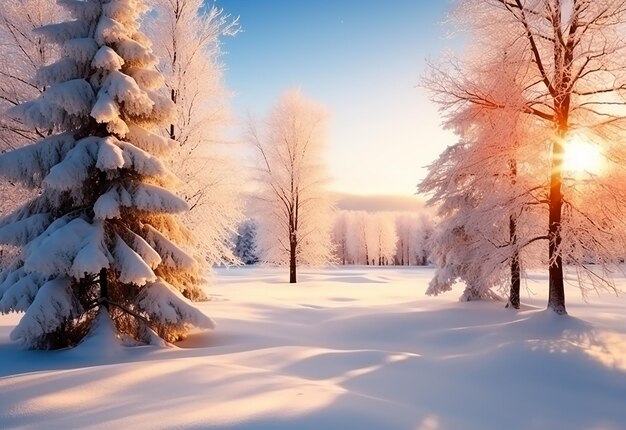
x,y
340,236
473,243
23,52
571,74
384,237
295,209
414,231
359,241
365,238
186,36
485,187
405,228
423,239
102,235
246,242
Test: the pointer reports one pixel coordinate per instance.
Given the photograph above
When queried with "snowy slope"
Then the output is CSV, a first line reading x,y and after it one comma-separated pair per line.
x,y
348,348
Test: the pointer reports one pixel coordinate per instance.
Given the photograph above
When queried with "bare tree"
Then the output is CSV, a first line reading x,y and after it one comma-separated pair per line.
x,y
187,37
296,210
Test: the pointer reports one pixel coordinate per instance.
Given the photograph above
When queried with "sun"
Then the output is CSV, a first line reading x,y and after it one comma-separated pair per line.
x,y
582,156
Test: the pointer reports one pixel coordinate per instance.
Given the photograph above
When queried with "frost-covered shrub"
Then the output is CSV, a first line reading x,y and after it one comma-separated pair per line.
x,y
105,211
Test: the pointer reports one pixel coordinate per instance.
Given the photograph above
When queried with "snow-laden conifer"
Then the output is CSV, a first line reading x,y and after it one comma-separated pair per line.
x,y
246,243
102,233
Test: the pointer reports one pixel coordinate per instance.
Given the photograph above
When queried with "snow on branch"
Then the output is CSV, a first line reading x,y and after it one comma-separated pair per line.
x,y
162,302
156,199
72,248
107,59
19,295
74,169
54,304
171,254
61,33
82,10
150,142
31,164
63,70
57,107
21,232
81,50
133,269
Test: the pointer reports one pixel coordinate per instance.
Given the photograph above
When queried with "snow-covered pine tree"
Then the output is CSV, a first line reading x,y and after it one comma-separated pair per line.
x,y
245,244
102,233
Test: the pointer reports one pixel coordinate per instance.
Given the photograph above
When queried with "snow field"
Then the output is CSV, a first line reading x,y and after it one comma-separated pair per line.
x,y
345,348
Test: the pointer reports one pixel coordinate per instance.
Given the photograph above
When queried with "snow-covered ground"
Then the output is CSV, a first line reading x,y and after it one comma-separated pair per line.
x,y
346,348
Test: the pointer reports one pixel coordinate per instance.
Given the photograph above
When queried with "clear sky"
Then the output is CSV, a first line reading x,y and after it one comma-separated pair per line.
x,y
362,60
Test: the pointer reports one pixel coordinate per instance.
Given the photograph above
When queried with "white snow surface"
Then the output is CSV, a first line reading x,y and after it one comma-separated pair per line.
x,y
345,348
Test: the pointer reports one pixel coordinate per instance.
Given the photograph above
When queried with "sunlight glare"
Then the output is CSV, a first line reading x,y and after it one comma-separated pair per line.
x,y
582,156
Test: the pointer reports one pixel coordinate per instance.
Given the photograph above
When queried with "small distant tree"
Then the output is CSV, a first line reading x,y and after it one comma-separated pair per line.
x,y
404,248
358,234
246,243
101,238
385,237
340,236
414,233
296,211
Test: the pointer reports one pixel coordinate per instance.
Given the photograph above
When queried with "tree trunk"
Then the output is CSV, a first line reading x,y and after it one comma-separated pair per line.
x,y
292,261
104,289
172,127
556,292
514,295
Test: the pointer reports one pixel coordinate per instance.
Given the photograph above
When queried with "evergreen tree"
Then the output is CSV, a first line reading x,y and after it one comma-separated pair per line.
x,y
102,234
245,244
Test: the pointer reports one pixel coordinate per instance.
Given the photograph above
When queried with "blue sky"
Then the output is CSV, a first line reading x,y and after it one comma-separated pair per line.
x,y
362,60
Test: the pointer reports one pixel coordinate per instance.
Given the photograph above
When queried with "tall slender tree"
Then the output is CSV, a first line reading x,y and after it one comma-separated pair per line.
x,y
488,187
102,236
296,209
187,37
